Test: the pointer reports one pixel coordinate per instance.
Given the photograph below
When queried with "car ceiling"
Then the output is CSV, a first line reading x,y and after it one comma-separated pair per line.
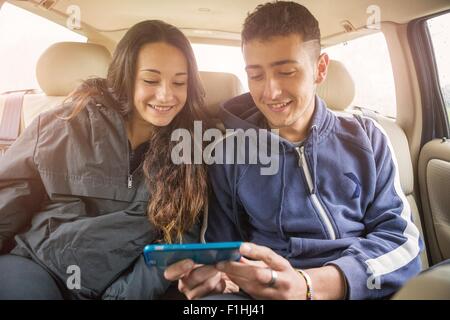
x,y
219,19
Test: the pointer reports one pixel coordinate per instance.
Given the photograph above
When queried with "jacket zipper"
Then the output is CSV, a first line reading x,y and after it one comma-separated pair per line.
x,y
130,174
302,163
130,181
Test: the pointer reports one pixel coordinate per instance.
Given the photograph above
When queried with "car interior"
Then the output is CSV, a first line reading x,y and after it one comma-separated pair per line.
x,y
418,133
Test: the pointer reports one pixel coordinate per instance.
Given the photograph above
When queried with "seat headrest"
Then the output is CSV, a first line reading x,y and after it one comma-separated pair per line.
x,y
219,87
62,67
338,89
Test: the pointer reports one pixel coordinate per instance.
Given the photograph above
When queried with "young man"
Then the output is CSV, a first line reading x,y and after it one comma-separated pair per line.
x,y
333,222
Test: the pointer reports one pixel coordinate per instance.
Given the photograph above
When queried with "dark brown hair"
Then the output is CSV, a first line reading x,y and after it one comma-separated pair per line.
x,y
178,193
281,18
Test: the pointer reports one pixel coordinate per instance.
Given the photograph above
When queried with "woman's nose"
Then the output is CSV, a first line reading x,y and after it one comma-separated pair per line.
x,y
164,93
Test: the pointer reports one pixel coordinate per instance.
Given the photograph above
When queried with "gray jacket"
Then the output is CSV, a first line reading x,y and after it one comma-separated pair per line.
x,y
65,196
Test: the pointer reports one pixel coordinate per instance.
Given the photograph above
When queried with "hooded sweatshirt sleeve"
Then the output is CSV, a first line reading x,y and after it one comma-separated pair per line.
x,y
388,255
21,188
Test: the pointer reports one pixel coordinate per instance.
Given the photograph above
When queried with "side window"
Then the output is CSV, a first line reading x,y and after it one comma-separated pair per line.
x,y
439,29
221,59
24,37
367,59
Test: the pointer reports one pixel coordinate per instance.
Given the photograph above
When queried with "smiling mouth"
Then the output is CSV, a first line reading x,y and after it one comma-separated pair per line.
x,y
279,106
161,108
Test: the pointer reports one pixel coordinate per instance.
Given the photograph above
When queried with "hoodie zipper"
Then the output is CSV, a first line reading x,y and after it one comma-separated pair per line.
x,y
302,163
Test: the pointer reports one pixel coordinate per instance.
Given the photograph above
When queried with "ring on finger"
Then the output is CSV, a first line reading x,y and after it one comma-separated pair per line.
x,y
273,279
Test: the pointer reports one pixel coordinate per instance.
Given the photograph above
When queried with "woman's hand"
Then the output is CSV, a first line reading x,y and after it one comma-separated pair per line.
x,y
197,281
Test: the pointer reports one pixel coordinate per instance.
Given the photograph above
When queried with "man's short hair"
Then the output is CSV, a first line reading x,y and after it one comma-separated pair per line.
x,y
281,18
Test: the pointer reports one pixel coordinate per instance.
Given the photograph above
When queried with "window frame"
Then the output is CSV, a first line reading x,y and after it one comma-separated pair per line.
x,y
359,106
435,123
31,82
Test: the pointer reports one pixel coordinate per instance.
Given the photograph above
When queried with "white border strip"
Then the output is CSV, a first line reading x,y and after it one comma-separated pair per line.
x,y
404,254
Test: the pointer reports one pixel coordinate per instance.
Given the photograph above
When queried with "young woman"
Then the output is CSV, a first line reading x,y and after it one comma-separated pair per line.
x,y
88,185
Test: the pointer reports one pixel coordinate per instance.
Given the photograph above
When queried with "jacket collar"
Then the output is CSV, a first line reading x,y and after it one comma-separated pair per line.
x,y
241,112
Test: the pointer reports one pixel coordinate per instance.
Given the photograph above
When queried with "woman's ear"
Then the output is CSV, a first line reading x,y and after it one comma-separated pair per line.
x,y
322,68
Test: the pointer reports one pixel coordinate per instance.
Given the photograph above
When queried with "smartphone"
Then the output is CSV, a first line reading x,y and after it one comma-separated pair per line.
x,y
163,255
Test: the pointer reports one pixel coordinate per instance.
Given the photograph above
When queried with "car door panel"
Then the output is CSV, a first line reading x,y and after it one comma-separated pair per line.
x,y
434,180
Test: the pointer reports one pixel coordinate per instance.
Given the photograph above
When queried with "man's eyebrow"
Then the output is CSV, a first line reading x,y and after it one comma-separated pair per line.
x,y
281,62
273,64
159,72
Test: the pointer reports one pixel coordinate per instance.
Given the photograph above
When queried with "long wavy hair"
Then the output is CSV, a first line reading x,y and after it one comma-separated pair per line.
x,y
178,193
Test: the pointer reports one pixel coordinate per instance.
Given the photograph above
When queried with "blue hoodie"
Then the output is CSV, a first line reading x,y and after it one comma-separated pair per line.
x,y
336,199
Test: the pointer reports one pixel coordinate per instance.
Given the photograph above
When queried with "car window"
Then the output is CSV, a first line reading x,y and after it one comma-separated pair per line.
x,y
367,59
221,59
24,37
439,29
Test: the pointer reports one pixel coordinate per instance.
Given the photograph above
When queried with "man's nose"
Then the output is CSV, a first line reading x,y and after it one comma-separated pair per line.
x,y
272,89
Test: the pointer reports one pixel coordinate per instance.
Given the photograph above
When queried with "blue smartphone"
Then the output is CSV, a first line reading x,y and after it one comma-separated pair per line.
x,y
163,255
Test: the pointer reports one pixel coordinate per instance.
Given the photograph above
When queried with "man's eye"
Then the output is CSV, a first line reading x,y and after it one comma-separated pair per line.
x,y
288,73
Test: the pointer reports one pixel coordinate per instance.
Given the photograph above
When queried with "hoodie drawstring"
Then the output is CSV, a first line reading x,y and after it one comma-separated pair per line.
x,y
283,187
314,136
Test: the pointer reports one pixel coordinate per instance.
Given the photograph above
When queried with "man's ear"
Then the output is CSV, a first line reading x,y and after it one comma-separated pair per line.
x,y
322,68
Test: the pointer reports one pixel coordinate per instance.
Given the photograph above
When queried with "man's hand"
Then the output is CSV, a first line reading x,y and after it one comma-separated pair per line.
x,y
254,277
197,281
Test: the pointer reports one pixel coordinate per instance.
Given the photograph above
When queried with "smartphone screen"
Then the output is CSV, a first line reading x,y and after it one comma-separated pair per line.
x,y
162,255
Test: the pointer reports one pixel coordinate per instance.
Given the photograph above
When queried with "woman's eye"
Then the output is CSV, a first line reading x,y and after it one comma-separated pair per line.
x,y
179,84
255,77
151,81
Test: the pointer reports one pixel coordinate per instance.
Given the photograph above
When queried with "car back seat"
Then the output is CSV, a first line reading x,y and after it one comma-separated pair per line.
x,y
219,87
338,92
64,65
59,70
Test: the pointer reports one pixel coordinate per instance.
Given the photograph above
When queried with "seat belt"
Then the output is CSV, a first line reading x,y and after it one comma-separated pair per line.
x,y
10,124
367,112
